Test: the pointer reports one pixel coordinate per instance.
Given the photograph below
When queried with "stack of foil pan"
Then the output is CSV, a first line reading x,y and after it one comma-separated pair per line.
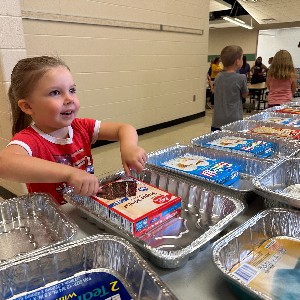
x,y
283,148
265,116
273,183
79,270
239,244
292,104
204,215
242,189
247,125
32,222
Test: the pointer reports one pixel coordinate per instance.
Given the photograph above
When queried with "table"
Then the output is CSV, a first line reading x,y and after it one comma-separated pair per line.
x,y
199,278
258,90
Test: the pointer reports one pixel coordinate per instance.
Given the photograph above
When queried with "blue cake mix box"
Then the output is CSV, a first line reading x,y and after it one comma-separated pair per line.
x,y
208,168
239,144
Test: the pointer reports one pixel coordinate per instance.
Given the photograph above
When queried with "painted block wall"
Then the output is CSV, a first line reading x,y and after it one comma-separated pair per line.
x,y
143,77
12,48
219,38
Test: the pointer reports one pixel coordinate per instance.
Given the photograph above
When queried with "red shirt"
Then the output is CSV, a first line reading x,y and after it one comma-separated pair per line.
x,y
73,151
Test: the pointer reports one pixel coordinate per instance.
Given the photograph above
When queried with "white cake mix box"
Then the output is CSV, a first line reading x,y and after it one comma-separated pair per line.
x,y
273,268
141,212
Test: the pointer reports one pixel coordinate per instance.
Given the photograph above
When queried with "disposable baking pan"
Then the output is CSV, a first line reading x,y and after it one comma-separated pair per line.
x,y
204,214
283,148
241,189
97,267
247,125
294,105
274,108
274,181
240,244
30,222
266,116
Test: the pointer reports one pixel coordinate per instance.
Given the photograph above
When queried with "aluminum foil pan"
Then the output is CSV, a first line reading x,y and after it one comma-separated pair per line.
x,y
265,116
204,214
274,108
283,148
247,125
30,222
242,189
71,269
237,245
275,182
292,104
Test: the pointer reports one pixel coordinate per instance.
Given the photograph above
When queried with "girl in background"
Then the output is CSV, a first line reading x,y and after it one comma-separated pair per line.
x,y
44,106
245,68
281,79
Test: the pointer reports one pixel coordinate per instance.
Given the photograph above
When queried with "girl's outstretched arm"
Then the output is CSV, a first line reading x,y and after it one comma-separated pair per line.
x,y
17,165
132,156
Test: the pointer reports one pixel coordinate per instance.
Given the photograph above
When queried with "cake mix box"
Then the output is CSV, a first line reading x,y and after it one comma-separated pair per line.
x,y
288,110
280,132
137,206
284,121
239,144
273,268
94,284
208,168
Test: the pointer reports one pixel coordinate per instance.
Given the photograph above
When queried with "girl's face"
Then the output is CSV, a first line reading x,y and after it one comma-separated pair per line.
x,y
54,104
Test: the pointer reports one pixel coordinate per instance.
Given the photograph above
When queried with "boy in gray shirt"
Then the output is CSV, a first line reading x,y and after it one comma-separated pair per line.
x,y
229,88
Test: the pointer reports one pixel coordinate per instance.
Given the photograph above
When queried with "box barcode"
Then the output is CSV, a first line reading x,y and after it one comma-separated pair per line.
x,y
246,272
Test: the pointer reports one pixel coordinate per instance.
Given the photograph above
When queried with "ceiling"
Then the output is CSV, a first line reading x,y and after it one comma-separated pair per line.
x,y
264,14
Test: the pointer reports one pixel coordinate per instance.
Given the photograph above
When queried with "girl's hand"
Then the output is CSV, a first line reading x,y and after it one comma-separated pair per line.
x,y
84,183
133,157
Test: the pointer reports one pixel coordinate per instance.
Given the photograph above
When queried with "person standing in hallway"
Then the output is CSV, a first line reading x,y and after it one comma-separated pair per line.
x,y
281,79
245,69
258,71
230,87
215,68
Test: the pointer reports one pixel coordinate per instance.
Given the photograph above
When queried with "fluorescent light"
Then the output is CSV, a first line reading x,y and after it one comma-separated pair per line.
x,y
237,22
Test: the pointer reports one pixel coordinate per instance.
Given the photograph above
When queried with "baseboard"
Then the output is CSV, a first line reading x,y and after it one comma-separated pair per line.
x,y
152,128
5,194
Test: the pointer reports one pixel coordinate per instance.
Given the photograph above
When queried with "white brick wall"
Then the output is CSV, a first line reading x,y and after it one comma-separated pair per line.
x,y
142,77
12,48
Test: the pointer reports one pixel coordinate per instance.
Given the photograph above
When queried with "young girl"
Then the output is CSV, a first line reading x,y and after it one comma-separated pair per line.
x,y
44,108
281,79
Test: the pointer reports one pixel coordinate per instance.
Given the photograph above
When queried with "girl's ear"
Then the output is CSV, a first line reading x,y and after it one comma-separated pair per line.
x,y
25,106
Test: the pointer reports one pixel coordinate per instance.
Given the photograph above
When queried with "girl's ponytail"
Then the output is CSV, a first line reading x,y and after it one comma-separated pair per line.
x,y
19,118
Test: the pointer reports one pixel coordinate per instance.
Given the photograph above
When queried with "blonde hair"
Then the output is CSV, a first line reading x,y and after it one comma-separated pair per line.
x,y
282,66
24,77
230,54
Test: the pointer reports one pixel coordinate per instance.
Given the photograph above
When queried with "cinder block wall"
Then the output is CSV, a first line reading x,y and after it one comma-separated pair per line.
x,y
135,75
12,48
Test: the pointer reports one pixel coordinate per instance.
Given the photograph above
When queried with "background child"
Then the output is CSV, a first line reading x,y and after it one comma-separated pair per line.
x,y
258,71
44,108
216,68
229,88
281,79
